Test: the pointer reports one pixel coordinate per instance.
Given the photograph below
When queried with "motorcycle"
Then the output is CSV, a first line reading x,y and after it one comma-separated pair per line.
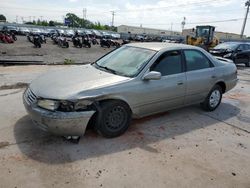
x,y
94,41
105,43
29,38
125,42
37,41
6,38
76,42
13,36
54,38
62,42
114,43
86,42
42,38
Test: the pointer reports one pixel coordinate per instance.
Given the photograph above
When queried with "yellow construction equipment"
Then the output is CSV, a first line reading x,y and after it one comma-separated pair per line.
x,y
204,37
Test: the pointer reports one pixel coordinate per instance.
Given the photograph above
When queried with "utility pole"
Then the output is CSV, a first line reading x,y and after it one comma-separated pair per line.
x,y
84,15
171,29
247,4
113,18
183,23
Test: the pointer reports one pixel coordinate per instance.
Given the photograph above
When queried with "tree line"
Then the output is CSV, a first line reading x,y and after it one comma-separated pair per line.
x,y
73,21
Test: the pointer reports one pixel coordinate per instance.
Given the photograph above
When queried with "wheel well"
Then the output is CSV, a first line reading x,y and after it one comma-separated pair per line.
x,y
97,106
109,100
222,85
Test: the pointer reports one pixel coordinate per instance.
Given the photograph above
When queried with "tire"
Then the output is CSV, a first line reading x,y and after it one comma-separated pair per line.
x,y
67,45
213,99
113,119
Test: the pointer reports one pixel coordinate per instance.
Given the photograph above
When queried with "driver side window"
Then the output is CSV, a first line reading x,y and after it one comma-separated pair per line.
x,y
168,63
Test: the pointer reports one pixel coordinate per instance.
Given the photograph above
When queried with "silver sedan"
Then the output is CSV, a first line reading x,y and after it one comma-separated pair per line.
x,y
133,81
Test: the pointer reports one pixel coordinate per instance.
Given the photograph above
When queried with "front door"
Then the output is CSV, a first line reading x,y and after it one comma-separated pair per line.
x,y
169,91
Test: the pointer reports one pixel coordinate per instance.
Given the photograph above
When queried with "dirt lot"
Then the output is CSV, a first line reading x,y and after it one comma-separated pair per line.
x,y
49,53
181,148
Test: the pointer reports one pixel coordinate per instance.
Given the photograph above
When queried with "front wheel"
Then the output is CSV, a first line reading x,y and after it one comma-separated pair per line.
x,y
213,99
113,119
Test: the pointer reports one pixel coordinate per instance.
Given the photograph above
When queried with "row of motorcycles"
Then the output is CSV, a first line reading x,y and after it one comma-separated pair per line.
x,y
7,37
78,41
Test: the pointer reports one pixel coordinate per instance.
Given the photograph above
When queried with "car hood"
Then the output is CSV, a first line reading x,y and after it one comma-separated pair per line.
x,y
69,82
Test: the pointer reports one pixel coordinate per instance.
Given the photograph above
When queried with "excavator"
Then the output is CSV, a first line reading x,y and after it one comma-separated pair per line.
x,y
204,37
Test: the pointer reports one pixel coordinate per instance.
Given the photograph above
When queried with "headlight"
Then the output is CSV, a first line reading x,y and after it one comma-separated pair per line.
x,y
48,104
64,106
228,55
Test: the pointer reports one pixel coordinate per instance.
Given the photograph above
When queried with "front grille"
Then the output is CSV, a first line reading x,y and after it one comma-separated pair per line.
x,y
30,97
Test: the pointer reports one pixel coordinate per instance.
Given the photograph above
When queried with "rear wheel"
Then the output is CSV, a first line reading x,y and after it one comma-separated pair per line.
x,y
113,119
213,99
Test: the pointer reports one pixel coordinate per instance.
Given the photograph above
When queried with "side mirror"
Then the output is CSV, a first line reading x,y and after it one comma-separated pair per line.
x,y
239,50
152,75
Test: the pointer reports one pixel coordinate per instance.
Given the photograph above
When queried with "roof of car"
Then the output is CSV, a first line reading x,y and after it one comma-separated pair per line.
x,y
157,46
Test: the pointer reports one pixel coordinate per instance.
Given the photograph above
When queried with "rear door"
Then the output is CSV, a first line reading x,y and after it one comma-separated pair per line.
x,y
242,56
200,76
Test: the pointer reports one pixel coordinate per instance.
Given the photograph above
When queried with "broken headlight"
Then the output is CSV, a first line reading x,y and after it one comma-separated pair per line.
x,y
63,106
48,104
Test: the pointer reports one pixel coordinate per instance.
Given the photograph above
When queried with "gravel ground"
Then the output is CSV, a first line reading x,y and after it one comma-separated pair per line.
x,y
23,50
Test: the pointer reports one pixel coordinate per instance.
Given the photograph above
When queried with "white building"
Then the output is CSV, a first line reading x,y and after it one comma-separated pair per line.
x,y
147,31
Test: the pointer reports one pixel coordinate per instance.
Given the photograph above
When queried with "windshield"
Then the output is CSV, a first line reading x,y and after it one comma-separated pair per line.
x,y
126,61
227,45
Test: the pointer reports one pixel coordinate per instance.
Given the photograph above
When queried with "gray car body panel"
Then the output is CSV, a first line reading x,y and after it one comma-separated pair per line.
x,y
144,97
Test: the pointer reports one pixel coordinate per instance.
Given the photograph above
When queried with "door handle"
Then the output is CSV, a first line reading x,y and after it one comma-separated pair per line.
x,y
213,76
180,83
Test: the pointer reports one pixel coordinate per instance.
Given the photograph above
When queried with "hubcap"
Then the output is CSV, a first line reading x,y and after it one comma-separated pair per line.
x,y
214,98
116,118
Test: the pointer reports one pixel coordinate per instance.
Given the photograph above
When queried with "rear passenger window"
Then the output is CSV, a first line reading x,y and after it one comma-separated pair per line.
x,y
246,47
241,47
196,60
168,63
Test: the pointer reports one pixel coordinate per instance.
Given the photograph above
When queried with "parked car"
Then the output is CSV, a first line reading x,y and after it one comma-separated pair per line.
x,y
139,38
51,32
10,29
36,31
23,31
69,33
239,52
135,80
97,34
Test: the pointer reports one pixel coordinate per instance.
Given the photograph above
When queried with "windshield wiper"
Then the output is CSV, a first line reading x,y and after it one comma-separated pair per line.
x,y
108,69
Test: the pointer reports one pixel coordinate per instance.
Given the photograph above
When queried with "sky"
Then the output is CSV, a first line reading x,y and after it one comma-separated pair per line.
x,y
225,15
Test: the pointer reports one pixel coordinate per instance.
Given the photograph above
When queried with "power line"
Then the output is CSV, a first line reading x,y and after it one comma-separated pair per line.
x,y
193,23
172,6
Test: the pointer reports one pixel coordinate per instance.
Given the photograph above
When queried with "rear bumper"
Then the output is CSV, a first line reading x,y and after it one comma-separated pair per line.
x,y
59,123
231,84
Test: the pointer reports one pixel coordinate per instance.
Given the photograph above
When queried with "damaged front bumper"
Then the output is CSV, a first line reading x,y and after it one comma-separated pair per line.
x,y
59,123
